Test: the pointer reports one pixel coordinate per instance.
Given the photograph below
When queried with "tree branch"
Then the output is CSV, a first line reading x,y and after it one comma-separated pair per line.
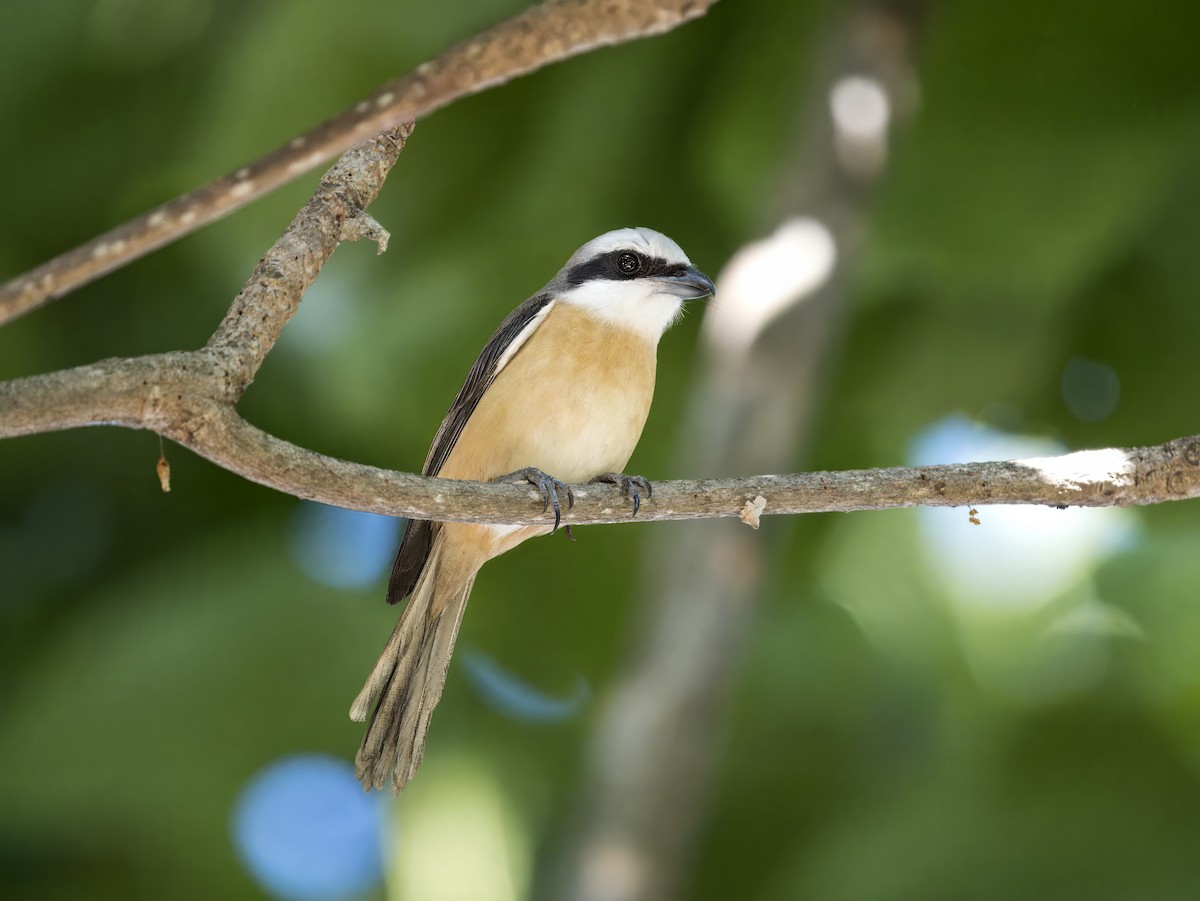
x,y
543,34
184,396
271,296
191,396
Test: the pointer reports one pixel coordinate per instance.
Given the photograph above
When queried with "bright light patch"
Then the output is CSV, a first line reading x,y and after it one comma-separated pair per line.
x,y
343,548
459,837
764,279
517,699
1070,470
1090,389
1020,556
305,829
861,111
860,108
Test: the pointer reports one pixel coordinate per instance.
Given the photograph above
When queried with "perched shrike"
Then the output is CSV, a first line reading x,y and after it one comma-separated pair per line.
x,y
563,387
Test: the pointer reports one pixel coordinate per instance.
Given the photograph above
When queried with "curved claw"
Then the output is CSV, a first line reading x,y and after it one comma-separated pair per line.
x,y
548,486
631,486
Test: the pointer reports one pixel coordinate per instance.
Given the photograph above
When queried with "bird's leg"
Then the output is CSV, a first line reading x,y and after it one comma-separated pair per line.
x,y
548,485
631,486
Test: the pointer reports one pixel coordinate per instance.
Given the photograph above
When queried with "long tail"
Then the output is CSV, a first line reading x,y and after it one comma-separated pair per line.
x,y
407,681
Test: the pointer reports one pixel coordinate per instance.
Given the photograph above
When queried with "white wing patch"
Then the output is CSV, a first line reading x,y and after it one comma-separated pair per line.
x,y
518,342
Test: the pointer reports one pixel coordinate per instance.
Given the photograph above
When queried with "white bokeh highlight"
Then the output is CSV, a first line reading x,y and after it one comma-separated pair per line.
x,y
764,279
860,108
861,112
1021,556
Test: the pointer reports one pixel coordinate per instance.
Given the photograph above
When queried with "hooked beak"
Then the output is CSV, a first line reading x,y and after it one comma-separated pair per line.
x,y
691,284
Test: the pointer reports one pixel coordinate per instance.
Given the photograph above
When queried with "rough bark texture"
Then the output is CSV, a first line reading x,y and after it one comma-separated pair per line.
x,y
543,34
188,397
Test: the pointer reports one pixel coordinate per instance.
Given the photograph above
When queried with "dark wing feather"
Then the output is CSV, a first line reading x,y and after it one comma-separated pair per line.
x,y
479,379
419,533
410,559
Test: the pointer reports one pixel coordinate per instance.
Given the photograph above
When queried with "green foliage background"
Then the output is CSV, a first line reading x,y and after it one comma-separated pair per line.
x,y
157,650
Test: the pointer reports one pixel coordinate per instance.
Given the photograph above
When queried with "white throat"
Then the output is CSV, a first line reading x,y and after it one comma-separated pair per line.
x,y
639,305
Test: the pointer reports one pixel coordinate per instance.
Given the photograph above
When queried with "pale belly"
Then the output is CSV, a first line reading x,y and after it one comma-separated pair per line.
x,y
574,414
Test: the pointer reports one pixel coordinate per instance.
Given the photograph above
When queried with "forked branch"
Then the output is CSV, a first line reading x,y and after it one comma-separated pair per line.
x,y
191,396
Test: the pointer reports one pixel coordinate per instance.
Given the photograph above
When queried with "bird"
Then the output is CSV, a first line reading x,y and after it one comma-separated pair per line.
x,y
559,395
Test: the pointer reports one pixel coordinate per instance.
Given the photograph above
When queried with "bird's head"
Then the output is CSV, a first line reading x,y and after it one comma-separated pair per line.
x,y
635,277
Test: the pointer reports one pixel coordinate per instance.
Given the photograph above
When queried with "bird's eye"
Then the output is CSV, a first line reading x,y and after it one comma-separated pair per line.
x,y
629,263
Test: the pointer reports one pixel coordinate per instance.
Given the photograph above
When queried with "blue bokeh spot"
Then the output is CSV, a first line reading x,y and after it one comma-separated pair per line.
x,y
306,830
511,696
343,548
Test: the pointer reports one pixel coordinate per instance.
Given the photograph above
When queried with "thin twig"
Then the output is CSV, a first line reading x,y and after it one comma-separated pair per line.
x,y
543,34
336,213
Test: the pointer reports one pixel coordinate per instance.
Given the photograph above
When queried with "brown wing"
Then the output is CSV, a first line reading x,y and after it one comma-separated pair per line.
x,y
419,533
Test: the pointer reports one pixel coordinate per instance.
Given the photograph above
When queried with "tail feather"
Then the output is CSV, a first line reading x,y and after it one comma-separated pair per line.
x,y
406,683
